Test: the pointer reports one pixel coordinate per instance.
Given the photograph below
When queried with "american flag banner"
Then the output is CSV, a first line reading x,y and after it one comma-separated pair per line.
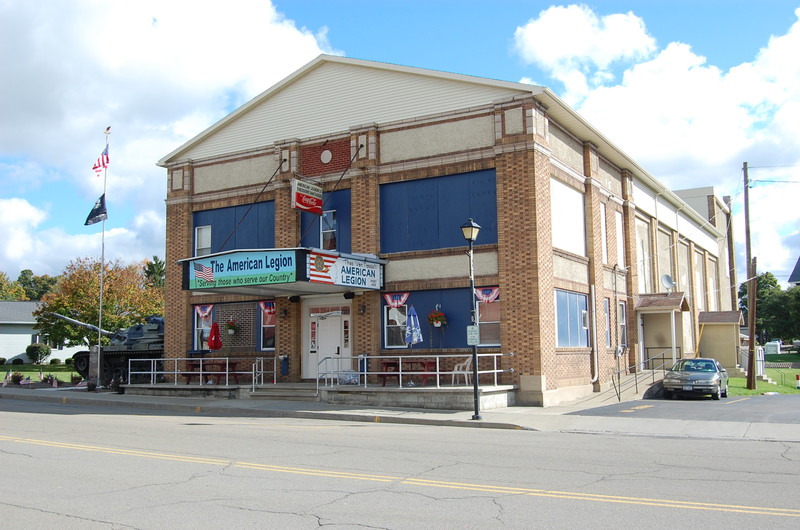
x,y
396,299
319,267
487,294
267,307
203,272
203,311
102,162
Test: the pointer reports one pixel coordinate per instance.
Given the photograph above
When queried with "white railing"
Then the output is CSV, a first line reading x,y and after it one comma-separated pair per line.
x,y
208,370
405,368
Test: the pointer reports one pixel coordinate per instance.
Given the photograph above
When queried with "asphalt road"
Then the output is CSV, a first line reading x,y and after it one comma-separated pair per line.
x,y
82,466
750,409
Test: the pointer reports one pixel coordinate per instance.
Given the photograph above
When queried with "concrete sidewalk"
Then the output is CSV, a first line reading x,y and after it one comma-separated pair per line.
x,y
566,418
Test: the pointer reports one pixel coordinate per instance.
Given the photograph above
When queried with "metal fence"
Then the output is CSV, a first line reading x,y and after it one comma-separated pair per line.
x,y
405,369
207,370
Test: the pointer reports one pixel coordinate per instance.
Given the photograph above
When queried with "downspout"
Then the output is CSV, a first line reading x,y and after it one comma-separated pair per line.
x,y
595,359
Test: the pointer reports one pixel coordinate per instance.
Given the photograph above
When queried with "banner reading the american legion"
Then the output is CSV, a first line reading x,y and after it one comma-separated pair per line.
x,y
243,268
306,196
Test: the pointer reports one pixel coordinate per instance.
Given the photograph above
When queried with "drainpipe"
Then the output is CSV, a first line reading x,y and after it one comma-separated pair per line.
x,y
595,359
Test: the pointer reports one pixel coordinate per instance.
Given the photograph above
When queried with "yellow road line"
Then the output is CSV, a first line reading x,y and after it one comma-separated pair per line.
x,y
488,488
737,400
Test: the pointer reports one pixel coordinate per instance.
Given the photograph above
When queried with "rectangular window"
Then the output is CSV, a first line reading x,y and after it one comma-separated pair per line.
x,y
620,238
489,322
569,221
623,325
700,280
268,330
395,327
202,328
603,232
571,320
713,286
664,241
644,257
327,230
202,240
607,310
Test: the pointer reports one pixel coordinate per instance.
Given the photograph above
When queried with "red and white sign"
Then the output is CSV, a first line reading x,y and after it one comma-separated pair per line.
x,y
306,197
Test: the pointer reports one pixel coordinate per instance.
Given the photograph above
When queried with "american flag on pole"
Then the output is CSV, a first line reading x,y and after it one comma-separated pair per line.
x,y
203,272
101,163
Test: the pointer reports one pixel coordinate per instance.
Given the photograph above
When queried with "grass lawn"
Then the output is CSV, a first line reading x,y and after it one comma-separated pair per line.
x,y
737,386
62,372
782,358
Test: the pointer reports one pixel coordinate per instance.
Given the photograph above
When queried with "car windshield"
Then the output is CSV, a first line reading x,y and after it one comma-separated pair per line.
x,y
695,365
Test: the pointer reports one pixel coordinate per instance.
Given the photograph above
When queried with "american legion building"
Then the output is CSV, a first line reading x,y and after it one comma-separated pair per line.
x,y
313,218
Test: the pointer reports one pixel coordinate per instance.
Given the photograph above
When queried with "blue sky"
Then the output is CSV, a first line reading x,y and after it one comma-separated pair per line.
x,y
690,90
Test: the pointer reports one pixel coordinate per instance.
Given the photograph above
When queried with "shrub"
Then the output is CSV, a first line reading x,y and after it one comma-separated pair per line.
x,y
38,352
2,360
17,361
16,377
55,361
69,361
76,379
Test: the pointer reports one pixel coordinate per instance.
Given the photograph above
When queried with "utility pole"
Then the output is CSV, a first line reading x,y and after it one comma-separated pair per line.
x,y
752,288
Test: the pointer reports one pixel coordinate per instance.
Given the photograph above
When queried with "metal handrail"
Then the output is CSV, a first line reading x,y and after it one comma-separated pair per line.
x,y
331,377
618,374
159,368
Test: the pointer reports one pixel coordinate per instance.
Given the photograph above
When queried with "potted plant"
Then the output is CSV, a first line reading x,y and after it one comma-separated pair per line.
x,y
437,318
231,326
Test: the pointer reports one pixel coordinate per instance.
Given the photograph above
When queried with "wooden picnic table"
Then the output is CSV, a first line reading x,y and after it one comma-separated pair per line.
x,y
395,367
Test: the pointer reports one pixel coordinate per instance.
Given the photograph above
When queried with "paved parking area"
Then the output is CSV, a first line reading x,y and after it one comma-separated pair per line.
x,y
751,409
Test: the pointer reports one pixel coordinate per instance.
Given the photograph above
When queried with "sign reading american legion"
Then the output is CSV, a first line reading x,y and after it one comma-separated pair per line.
x,y
244,268
306,196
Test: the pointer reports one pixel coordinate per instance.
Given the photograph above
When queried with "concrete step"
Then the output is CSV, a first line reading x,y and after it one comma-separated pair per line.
x,y
282,393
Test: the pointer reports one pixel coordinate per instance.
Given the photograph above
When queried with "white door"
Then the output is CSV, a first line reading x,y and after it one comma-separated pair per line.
x,y
329,348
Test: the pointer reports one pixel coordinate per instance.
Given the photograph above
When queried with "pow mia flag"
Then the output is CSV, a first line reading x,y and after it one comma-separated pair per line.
x,y
98,213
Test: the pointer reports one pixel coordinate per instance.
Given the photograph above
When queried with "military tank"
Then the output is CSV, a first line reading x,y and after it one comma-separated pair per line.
x,y
141,341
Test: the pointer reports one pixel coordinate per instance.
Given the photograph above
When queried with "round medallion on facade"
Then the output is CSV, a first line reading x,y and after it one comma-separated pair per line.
x,y
319,263
325,156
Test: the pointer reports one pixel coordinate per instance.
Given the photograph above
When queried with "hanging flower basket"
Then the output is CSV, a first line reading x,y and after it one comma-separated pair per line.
x,y
231,326
437,319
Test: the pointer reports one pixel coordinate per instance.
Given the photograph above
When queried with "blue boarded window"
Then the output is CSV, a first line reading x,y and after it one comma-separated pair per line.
x,y
428,213
454,303
571,320
254,226
333,226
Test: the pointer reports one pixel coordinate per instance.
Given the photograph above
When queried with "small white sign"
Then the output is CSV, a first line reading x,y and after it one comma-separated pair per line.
x,y
473,336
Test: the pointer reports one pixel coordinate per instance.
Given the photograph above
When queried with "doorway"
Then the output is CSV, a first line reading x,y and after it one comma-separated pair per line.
x,y
327,343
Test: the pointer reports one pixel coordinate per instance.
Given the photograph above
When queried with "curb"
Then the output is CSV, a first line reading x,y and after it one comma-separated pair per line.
x,y
264,413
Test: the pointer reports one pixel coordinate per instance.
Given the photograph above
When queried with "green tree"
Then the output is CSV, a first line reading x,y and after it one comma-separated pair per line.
x,y
11,290
36,286
766,285
127,299
780,314
155,271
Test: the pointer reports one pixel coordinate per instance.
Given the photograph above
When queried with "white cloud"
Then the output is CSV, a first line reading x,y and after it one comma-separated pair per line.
x,y
578,48
157,72
687,122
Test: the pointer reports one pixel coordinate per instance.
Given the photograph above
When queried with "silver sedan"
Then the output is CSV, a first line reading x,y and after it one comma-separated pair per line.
x,y
696,376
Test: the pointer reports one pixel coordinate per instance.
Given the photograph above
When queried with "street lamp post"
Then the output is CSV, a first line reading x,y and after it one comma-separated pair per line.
x,y
470,231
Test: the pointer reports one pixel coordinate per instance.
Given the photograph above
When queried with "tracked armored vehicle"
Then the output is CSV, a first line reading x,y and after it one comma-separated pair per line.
x,y
142,341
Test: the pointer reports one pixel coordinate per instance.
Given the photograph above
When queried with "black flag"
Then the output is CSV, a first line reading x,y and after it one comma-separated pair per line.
x,y
98,213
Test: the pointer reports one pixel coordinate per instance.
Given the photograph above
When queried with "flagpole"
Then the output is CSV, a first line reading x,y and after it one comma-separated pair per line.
x,y
102,276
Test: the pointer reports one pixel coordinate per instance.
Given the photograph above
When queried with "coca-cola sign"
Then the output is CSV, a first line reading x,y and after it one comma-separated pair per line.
x,y
306,196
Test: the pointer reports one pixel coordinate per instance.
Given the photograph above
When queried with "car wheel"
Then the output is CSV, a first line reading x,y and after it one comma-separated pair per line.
x,y
716,394
667,394
724,393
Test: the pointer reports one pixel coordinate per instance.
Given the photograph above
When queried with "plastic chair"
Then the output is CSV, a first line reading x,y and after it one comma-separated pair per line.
x,y
463,368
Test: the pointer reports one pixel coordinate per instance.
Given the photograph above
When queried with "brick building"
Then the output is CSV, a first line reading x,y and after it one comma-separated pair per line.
x,y
584,262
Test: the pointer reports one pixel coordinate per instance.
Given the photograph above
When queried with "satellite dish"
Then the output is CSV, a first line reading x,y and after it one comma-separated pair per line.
x,y
668,282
